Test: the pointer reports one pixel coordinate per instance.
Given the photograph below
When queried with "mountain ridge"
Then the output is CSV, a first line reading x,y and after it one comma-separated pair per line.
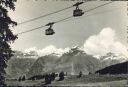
x,y
72,61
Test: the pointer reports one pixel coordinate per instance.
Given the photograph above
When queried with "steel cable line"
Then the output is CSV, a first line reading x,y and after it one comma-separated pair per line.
x,y
36,18
106,11
85,11
62,19
99,6
31,30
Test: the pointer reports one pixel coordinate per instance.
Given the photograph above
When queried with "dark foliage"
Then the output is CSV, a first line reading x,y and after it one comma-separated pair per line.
x,y
61,76
121,68
47,79
53,76
22,78
80,74
36,77
6,36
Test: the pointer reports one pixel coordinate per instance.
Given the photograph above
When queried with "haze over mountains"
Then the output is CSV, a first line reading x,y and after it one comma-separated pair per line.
x,y
71,61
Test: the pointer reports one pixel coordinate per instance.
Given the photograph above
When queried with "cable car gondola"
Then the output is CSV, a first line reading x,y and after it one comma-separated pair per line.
x,y
49,31
77,12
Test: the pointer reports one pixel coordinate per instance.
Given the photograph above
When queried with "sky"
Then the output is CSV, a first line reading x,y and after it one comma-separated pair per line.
x,y
103,29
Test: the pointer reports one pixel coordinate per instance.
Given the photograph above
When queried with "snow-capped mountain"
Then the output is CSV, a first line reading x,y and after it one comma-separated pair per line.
x,y
20,63
20,54
111,59
71,62
48,50
114,56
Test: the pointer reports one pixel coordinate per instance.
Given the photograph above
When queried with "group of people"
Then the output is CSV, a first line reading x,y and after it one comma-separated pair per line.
x,y
51,77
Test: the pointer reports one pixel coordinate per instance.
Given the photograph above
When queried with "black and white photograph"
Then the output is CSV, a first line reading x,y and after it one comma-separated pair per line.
x,y
63,43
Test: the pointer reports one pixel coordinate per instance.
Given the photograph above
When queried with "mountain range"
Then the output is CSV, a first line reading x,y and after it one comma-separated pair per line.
x,y
111,59
72,62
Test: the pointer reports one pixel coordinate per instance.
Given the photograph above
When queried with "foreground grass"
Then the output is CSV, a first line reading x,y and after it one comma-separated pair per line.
x,y
72,80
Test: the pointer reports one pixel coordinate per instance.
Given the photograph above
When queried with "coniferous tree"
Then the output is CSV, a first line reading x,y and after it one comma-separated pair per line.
x,y
6,36
61,76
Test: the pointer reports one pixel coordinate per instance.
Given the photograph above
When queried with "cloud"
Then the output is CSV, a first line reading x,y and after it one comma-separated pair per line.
x,y
100,44
104,42
48,50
